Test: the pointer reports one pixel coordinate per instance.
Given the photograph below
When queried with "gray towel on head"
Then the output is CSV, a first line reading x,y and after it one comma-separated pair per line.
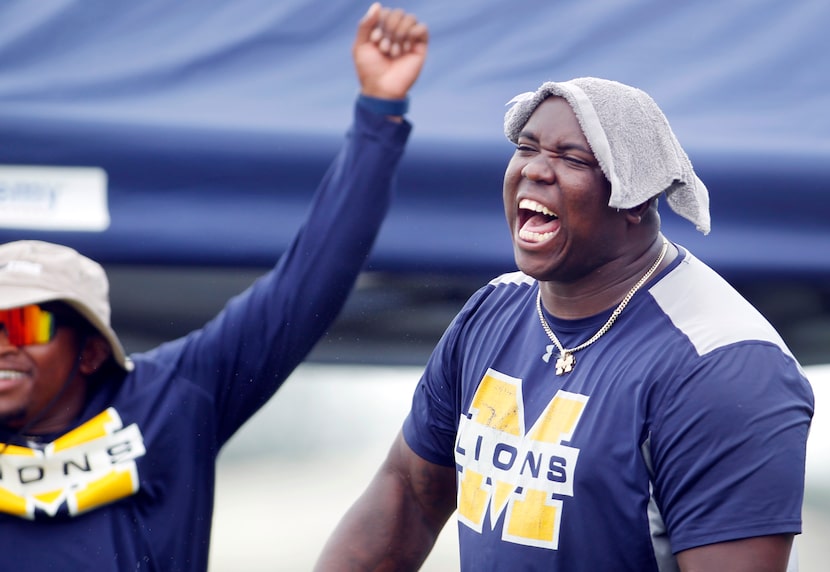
x,y
632,141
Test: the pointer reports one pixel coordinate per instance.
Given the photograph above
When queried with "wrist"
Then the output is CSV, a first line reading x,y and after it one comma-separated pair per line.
x,y
384,106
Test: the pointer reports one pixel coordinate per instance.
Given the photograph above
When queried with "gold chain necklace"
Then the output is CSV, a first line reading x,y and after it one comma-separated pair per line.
x,y
566,361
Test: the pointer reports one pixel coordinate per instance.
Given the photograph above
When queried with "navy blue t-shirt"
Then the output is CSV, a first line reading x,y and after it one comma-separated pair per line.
x,y
684,425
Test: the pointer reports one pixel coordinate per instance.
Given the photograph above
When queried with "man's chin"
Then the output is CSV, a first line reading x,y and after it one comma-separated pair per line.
x,y
534,268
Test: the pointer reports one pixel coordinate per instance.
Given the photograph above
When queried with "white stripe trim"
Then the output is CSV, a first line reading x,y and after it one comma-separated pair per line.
x,y
708,310
513,278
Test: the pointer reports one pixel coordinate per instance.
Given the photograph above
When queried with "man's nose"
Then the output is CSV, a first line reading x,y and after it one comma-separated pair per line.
x,y
539,169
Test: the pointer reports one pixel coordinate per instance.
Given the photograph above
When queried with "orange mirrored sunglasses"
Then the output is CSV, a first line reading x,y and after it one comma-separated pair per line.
x,y
28,325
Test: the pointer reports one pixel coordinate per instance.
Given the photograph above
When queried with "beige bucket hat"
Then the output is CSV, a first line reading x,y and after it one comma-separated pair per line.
x,y
32,272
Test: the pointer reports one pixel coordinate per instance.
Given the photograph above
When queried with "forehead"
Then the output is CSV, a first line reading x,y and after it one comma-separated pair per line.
x,y
554,118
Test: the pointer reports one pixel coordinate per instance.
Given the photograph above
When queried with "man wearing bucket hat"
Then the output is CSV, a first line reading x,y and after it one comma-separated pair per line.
x,y
615,404
107,462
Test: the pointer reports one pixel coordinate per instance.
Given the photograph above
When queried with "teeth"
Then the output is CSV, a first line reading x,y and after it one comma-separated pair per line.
x,y
531,205
9,374
534,236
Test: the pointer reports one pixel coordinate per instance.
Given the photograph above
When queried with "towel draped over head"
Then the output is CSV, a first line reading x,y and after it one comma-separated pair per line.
x,y
631,139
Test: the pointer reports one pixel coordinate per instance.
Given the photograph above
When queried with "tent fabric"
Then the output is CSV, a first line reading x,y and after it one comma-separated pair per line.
x,y
214,120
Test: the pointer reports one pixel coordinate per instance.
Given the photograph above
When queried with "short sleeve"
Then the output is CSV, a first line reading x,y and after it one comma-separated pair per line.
x,y
431,426
729,445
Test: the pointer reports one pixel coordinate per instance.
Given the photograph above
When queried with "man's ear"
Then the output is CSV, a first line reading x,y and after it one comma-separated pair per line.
x,y
636,214
95,352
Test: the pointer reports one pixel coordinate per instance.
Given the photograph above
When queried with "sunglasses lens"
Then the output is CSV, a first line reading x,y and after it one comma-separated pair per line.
x,y
28,325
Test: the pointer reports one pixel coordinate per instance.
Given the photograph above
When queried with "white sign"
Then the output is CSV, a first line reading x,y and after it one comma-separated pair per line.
x,y
53,198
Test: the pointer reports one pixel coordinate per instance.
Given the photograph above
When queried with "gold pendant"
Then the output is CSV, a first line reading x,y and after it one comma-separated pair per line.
x,y
565,363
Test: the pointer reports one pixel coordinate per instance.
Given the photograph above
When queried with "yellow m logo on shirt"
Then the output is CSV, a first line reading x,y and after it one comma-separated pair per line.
x,y
506,467
89,467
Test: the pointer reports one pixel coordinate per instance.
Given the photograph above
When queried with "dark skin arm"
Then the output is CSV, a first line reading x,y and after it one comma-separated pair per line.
x,y
759,554
396,521
394,524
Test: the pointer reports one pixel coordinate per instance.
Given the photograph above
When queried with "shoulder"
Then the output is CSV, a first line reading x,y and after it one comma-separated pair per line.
x,y
708,310
499,300
489,311
738,365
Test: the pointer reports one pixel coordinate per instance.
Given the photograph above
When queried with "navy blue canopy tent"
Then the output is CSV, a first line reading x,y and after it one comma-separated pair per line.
x,y
210,122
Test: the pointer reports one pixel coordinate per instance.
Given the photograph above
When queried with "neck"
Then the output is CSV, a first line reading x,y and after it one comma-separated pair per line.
x,y
605,286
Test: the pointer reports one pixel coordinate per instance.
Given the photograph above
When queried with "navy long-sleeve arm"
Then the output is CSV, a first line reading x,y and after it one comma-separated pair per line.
x,y
242,356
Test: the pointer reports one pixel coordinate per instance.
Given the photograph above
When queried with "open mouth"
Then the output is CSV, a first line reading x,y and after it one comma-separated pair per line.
x,y
537,223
